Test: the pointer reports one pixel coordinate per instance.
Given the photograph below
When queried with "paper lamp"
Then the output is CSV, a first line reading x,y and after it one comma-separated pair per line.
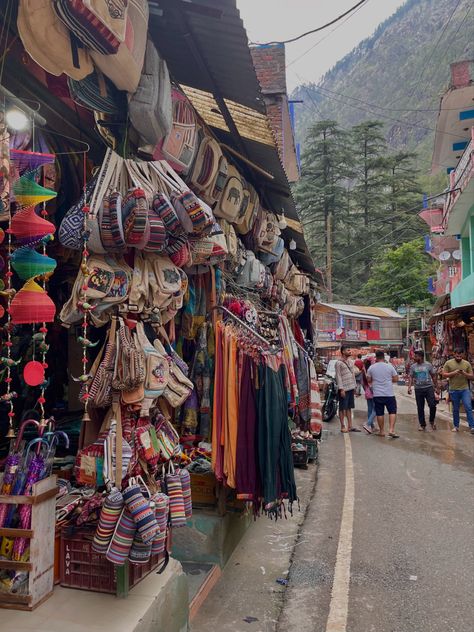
x,y
30,160
33,373
32,305
28,192
28,263
27,224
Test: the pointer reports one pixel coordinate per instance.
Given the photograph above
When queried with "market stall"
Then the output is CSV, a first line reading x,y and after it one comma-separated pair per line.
x,y
156,327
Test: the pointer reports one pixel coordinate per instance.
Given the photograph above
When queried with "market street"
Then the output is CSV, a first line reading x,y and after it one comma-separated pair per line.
x,y
410,546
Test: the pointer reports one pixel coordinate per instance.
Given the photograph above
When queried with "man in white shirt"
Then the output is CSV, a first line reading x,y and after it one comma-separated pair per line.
x,y
382,376
346,384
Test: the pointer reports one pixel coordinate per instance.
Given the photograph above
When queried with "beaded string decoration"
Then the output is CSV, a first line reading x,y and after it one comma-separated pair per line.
x,y
31,304
83,304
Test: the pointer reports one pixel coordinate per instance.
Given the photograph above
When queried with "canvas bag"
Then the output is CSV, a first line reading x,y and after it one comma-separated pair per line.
x,y
206,165
275,255
157,370
124,68
150,107
282,267
231,238
230,201
179,146
98,24
248,210
214,192
47,40
70,233
209,249
96,92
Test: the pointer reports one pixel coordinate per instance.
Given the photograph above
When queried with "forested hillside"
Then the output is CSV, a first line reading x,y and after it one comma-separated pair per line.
x,y
397,75
367,136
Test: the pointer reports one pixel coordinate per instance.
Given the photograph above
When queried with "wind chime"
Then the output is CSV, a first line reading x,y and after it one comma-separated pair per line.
x,y
27,232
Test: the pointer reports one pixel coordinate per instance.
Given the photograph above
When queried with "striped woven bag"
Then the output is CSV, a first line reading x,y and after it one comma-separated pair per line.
x,y
109,517
122,539
140,552
162,505
186,486
175,492
141,510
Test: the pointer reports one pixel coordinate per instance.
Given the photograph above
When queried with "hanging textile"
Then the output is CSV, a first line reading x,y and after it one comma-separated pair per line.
x,y
247,484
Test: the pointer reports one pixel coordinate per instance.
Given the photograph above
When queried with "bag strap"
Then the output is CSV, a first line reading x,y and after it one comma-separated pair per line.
x,y
106,173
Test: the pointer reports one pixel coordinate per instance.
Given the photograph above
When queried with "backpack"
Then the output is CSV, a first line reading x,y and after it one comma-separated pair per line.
x,y
157,370
206,165
231,199
150,108
99,24
248,210
213,194
276,253
282,267
97,93
47,40
108,283
124,68
179,145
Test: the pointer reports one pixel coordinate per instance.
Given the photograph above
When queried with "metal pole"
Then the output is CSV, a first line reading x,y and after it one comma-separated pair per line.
x,y
408,327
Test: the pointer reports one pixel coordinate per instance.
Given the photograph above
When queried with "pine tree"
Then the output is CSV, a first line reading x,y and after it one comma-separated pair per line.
x,y
403,198
321,192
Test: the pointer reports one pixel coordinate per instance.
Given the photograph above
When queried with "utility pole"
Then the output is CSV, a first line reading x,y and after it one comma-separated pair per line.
x,y
408,327
329,255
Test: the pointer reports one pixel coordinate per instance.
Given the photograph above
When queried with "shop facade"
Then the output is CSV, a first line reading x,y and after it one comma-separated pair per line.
x,y
157,298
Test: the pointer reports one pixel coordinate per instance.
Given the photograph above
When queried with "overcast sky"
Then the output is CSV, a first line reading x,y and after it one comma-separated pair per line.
x,y
267,20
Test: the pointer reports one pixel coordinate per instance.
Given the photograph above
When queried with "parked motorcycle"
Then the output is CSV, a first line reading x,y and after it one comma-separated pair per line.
x,y
331,402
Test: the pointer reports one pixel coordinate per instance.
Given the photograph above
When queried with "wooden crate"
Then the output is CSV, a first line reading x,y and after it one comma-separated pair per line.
x,y
203,489
40,566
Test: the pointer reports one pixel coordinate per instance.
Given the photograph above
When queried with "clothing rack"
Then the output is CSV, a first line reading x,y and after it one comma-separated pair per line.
x,y
272,349
267,311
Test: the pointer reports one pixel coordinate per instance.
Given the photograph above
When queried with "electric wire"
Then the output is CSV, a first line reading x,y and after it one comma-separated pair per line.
x,y
325,37
316,30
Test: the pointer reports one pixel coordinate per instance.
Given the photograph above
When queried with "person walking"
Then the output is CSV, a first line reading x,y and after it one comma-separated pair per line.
x,y
369,427
459,373
382,376
358,368
423,377
346,384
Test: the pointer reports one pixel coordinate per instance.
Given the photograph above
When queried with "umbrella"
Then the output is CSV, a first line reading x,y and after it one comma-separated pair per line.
x,y
11,467
35,470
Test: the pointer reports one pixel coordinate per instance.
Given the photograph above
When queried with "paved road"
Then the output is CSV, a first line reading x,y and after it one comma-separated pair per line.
x,y
404,557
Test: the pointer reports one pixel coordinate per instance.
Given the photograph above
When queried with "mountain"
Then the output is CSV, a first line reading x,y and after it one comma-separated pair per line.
x,y
401,69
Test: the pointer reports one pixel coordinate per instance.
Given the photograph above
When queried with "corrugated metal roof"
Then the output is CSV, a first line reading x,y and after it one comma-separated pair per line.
x,y
219,32
216,29
250,124
365,310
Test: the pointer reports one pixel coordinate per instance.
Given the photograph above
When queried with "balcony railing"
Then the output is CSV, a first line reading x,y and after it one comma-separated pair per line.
x,y
459,178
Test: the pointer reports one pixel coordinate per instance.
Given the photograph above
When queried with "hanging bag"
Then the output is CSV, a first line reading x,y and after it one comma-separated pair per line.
x,y
141,510
122,539
179,146
150,107
156,372
174,490
47,40
230,201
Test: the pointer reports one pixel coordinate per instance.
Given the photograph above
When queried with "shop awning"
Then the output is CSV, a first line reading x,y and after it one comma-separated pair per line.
x,y
384,343
206,48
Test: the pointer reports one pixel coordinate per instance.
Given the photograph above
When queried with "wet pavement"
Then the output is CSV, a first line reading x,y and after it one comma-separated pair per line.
x,y
412,536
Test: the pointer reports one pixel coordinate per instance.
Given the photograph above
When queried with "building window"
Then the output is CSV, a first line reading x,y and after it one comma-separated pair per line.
x,y
452,271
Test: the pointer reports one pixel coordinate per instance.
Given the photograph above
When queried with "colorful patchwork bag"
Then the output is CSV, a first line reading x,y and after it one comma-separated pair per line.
x,y
186,486
98,24
162,504
179,146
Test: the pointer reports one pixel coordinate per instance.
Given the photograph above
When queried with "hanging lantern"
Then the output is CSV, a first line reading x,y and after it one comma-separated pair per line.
x,y
27,225
28,192
29,160
28,263
32,305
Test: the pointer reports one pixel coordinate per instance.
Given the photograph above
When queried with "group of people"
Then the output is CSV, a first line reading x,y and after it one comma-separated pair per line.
x,y
376,380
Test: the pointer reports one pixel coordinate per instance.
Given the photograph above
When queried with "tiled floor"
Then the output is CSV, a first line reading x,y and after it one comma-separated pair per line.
x,y
81,611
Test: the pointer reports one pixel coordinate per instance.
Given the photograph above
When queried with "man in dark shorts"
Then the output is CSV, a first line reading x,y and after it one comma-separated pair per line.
x,y
346,383
382,376
423,376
